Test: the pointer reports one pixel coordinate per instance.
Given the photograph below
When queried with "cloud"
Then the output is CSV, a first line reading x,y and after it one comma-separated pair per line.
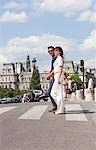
x,y
3,58
38,44
14,17
89,63
18,47
89,42
68,7
15,5
88,16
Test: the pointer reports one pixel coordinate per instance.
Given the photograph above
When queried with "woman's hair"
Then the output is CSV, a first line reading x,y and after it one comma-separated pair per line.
x,y
60,50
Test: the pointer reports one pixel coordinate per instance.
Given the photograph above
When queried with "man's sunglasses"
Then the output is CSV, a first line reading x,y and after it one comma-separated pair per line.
x,y
50,51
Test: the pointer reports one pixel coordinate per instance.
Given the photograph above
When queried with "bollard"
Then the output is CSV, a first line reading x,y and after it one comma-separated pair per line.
x,y
89,96
73,96
79,95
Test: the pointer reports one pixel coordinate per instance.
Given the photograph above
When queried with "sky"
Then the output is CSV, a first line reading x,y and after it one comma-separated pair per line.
x,y
28,27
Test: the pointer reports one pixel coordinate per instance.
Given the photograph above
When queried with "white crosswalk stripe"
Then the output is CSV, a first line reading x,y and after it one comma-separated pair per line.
x,y
35,112
5,109
74,112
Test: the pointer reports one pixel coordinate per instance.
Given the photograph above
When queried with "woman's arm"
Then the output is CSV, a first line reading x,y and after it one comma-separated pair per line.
x,y
60,72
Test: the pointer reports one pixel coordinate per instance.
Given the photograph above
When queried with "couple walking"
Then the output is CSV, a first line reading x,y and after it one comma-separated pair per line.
x,y
56,78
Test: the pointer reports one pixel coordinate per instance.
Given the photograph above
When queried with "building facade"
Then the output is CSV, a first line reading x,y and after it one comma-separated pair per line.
x,y
18,75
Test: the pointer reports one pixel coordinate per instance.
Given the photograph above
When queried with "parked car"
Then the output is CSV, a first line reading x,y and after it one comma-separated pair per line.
x,y
35,96
7,100
18,98
37,92
28,97
41,97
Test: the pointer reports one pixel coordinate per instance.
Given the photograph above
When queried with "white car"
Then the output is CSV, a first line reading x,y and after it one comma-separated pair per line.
x,y
37,92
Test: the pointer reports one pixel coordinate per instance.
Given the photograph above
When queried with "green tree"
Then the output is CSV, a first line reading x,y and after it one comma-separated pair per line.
x,y
9,93
35,80
75,77
2,92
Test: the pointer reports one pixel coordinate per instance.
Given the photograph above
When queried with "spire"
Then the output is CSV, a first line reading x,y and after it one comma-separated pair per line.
x,y
28,69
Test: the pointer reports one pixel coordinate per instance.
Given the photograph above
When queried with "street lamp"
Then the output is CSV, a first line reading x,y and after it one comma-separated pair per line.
x,y
34,62
82,69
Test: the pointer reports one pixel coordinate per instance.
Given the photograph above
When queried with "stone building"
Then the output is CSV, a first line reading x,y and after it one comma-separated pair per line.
x,y
16,75
44,81
8,78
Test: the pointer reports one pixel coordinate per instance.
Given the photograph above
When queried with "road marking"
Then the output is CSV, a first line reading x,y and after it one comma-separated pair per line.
x,y
35,112
5,109
74,112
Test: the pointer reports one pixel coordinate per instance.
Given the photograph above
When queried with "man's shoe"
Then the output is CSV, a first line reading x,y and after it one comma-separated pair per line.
x,y
53,109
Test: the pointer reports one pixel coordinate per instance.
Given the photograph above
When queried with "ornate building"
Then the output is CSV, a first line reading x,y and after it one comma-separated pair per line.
x,y
16,75
43,80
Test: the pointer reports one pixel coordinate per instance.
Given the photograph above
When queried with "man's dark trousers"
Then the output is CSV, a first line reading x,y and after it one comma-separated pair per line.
x,y
49,92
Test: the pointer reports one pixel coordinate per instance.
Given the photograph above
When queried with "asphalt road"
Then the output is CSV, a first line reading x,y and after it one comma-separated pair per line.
x,y
30,126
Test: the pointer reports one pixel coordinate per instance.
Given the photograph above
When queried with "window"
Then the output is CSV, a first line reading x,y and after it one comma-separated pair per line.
x,y
5,78
9,85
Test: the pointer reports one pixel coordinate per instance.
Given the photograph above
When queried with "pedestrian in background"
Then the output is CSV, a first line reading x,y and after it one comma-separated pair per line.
x,y
65,83
69,87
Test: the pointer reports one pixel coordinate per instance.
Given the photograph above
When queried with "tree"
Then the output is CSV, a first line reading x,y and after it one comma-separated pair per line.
x,y
75,77
9,93
35,80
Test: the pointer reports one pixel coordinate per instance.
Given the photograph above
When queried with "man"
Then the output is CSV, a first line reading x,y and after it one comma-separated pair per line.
x,y
51,77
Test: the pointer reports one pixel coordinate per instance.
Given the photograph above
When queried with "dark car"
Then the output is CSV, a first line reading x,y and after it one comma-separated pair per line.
x,y
41,97
18,98
28,97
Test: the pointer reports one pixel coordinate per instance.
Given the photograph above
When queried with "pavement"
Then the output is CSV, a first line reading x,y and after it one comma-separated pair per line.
x,y
30,126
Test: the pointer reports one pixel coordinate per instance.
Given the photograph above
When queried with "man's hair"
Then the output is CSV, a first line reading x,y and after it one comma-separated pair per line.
x,y
51,47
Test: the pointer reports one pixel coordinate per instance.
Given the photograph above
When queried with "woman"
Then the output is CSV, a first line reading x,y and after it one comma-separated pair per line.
x,y
57,88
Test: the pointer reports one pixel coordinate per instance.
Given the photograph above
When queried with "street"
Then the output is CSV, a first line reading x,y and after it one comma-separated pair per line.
x,y
30,126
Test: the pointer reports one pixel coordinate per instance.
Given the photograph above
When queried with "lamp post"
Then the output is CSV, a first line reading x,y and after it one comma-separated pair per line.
x,y
34,62
82,69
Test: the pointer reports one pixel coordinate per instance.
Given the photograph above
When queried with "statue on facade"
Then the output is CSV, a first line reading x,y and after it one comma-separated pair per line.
x,y
89,92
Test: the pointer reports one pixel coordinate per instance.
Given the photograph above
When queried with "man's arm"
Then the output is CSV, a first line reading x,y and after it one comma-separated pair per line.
x,y
51,74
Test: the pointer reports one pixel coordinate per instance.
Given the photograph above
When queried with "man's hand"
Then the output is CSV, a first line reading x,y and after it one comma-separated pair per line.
x,y
51,74
48,76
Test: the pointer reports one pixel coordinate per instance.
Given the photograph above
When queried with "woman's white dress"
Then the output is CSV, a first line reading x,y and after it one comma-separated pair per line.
x,y
58,89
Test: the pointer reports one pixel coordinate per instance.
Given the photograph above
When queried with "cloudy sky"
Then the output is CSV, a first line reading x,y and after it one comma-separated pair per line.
x,y
30,26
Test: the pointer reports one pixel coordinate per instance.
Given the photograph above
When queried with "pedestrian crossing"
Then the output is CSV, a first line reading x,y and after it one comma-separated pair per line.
x,y
36,112
73,112
5,109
